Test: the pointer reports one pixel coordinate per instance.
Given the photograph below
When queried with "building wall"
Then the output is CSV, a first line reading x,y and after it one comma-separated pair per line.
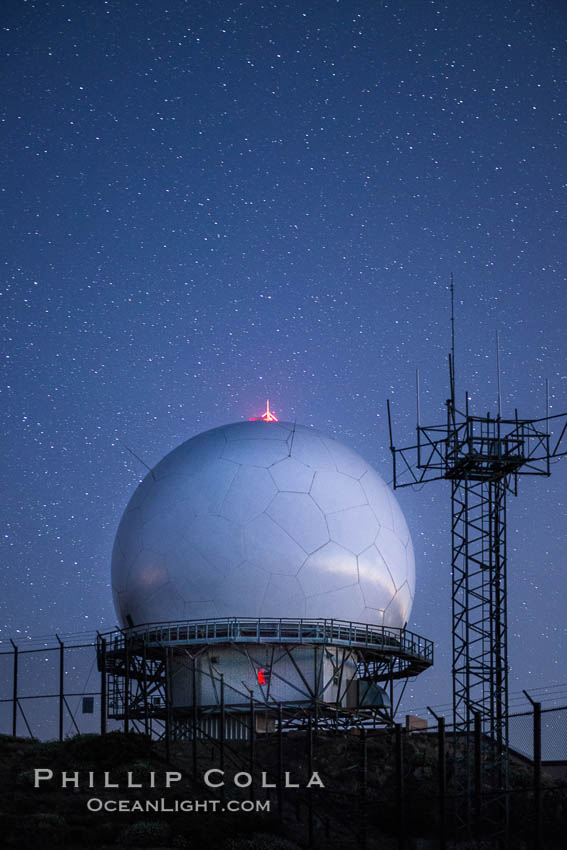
x,y
266,670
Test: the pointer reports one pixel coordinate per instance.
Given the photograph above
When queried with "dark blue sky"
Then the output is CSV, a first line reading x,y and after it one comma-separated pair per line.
x,y
204,204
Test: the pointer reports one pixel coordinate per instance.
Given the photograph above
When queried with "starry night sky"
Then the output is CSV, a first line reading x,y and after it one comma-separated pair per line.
x,y
206,204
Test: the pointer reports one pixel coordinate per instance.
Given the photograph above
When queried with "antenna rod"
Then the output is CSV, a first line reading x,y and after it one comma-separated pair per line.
x,y
390,424
292,436
417,397
452,339
498,375
547,404
140,459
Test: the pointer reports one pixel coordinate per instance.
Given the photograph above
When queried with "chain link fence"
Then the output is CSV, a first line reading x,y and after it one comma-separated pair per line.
x,y
407,788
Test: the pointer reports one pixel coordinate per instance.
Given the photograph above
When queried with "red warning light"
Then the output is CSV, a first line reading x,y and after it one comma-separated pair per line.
x,y
267,416
263,676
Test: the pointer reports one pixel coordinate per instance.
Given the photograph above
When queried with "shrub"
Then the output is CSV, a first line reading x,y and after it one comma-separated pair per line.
x,y
260,841
146,834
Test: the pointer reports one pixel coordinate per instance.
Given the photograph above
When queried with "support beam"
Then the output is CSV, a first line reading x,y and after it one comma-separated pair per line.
x,y
537,813
15,691
126,683
103,706
61,685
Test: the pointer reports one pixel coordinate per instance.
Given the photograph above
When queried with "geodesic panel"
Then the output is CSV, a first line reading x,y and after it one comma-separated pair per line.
x,y
348,599
192,455
250,493
378,497
186,564
329,568
164,604
120,569
163,497
200,610
372,615
196,578
208,488
410,560
308,448
375,580
291,475
353,528
284,597
129,534
264,454
217,539
199,591
346,461
263,519
119,600
268,546
165,528
400,526
150,570
245,576
256,430
399,608
300,517
394,554
334,491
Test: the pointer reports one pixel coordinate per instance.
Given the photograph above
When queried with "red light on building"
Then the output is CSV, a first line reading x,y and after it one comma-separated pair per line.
x,y
267,416
263,676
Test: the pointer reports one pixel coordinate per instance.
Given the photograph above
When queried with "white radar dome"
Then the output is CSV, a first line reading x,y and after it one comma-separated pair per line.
x,y
263,519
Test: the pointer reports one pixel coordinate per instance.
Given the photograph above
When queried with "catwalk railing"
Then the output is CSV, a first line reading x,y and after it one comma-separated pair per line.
x,y
287,630
62,673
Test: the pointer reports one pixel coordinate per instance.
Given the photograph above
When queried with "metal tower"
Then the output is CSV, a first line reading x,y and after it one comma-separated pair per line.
x,y
483,457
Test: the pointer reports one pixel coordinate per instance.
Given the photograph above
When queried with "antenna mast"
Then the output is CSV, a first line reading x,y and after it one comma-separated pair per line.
x,y
452,365
483,458
498,375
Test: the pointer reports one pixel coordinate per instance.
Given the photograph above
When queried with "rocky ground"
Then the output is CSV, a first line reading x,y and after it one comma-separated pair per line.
x,y
357,807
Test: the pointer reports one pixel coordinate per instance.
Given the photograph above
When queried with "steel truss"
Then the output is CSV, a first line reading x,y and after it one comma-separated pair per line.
x,y
480,651
136,667
483,457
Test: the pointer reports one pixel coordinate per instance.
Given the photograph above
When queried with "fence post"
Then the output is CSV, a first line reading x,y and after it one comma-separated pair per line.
x,y
363,787
442,764
477,775
222,721
103,687
252,743
537,836
15,691
280,761
61,684
145,685
126,683
167,694
310,772
537,777
194,717
442,779
400,787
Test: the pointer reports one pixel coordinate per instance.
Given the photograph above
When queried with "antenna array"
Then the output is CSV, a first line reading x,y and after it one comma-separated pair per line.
x,y
483,457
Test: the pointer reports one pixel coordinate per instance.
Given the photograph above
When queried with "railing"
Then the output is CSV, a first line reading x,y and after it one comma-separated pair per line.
x,y
395,641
